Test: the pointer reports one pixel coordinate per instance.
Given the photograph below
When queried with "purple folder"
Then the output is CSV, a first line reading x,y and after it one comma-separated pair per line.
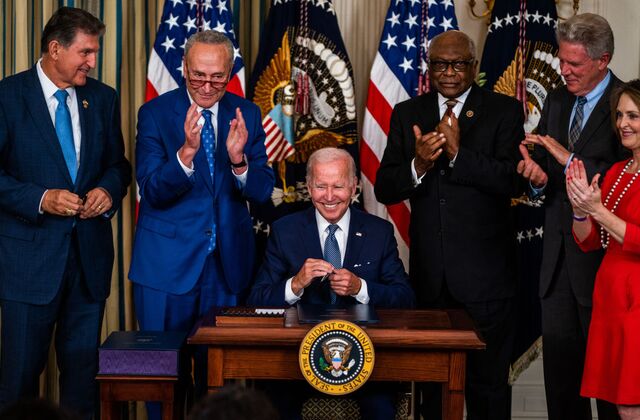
x,y
141,353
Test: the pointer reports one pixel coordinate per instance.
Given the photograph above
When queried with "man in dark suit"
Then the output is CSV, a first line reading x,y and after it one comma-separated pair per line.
x,y
453,154
370,270
576,122
298,265
200,156
63,174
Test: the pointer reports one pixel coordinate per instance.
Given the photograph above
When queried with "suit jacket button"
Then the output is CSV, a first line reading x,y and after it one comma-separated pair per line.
x,y
442,172
207,232
443,201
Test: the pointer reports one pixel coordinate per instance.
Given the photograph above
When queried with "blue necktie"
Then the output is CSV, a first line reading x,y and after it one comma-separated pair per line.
x,y
576,124
65,133
332,254
207,139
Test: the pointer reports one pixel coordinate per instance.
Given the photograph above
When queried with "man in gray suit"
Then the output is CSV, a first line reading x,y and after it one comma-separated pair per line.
x,y
575,122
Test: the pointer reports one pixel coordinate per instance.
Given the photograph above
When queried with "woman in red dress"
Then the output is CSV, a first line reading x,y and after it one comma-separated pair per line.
x,y
610,218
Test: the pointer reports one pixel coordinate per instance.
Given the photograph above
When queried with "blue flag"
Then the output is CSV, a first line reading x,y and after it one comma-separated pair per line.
x,y
303,83
520,60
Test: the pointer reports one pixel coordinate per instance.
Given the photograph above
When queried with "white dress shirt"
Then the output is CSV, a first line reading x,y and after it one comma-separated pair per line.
x,y
49,89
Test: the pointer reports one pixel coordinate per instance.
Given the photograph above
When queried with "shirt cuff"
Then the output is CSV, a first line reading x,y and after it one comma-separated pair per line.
x,y
536,191
41,200
290,297
414,175
363,295
188,171
241,179
453,161
566,165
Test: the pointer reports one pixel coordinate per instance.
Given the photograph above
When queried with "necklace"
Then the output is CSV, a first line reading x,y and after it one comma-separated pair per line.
x,y
604,235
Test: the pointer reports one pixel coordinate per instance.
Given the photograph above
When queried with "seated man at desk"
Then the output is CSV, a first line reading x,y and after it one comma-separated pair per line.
x,y
333,254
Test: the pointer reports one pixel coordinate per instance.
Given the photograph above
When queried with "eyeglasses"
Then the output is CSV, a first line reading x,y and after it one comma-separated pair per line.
x,y
216,80
458,65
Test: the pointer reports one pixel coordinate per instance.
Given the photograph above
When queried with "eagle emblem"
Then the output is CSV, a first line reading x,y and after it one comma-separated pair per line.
x,y
336,353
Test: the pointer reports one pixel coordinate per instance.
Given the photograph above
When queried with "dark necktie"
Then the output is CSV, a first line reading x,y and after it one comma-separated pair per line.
x,y
332,254
65,133
207,139
576,124
450,103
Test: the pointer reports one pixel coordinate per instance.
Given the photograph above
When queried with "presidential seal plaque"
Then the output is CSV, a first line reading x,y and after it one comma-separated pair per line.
x,y
336,357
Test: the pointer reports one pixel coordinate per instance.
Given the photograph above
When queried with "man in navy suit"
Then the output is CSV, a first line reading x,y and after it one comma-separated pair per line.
x,y
63,174
200,157
368,269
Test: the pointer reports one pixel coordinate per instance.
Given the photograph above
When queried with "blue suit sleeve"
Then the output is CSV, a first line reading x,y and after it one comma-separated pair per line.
x,y
260,178
161,180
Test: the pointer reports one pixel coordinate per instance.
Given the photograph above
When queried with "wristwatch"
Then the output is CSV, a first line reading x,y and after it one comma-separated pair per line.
x,y
240,164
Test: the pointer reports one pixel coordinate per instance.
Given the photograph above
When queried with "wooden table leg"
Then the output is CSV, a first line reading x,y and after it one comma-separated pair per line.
x,y
453,390
109,407
215,366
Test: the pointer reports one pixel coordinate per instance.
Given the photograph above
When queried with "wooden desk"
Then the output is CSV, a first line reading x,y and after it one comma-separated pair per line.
x,y
410,345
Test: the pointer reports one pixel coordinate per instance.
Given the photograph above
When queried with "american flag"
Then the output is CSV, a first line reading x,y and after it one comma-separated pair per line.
x,y
181,19
398,70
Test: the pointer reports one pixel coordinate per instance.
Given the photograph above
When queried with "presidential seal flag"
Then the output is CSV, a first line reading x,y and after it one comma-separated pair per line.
x,y
398,73
303,84
520,60
180,20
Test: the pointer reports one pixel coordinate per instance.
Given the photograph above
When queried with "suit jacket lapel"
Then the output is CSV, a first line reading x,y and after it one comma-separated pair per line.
x,y
355,241
568,101
180,113
37,108
86,142
309,235
599,115
225,115
429,120
470,110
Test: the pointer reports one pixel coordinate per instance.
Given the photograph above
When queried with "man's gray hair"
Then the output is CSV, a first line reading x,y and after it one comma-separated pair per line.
x,y
438,38
328,155
211,37
589,30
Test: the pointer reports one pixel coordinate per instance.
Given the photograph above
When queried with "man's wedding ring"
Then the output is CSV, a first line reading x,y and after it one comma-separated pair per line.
x,y
69,212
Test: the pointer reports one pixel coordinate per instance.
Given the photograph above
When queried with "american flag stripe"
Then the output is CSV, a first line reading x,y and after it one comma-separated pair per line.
x,y
394,78
278,148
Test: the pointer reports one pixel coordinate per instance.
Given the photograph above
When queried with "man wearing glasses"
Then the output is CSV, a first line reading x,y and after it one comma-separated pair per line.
x,y
453,153
200,158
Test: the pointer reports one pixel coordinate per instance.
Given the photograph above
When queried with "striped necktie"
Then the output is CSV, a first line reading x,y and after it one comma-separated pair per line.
x,y
332,254
576,124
